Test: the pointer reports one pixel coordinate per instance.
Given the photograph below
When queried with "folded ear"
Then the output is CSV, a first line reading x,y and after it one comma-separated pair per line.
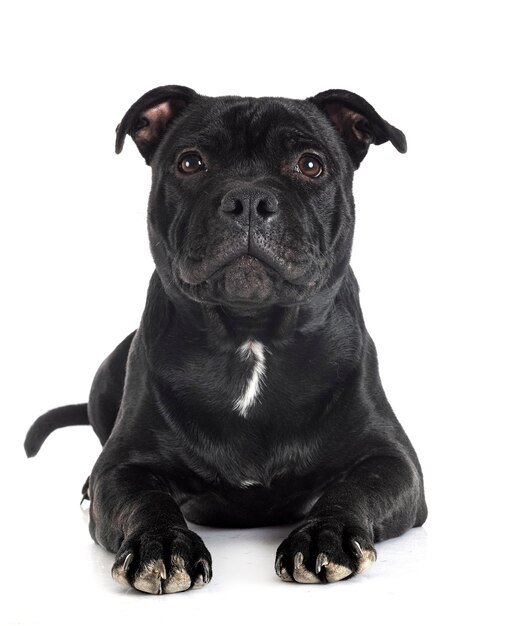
x,y
148,118
357,122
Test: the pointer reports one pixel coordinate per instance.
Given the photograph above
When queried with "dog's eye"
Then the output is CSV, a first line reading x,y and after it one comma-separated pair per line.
x,y
191,163
310,166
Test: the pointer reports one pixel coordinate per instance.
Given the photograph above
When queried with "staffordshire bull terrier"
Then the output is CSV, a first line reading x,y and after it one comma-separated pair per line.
x,y
250,393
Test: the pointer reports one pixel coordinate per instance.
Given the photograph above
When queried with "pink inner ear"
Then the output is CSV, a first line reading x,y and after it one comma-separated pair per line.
x,y
157,117
349,123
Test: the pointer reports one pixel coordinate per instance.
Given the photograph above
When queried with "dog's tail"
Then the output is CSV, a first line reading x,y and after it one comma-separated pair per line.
x,y
70,415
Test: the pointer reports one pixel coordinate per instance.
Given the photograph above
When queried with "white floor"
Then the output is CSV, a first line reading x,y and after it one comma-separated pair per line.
x,y
52,572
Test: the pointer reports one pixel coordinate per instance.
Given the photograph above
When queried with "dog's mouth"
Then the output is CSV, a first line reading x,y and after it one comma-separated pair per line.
x,y
247,280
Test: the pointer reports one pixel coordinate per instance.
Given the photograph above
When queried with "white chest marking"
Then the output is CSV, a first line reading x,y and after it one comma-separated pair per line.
x,y
254,350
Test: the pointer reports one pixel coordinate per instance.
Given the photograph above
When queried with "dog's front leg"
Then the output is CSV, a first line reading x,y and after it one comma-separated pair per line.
x,y
382,497
134,515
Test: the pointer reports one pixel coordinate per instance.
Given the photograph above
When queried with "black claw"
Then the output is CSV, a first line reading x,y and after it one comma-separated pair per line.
x,y
277,565
321,560
357,549
85,491
205,567
298,559
127,561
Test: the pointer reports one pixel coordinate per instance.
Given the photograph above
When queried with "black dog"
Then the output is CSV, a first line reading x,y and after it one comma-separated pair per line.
x,y
250,393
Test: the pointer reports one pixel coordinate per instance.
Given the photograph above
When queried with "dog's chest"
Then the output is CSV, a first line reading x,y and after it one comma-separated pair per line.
x,y
248,415
252,384
236,383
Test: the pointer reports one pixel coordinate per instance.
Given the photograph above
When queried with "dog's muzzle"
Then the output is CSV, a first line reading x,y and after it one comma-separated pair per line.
x,y
250,254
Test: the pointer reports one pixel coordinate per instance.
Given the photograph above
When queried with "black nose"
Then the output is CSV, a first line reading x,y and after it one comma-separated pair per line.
x,y
249,204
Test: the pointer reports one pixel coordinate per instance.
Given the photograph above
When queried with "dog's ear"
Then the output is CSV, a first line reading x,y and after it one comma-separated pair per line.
x,y
357,122
148,118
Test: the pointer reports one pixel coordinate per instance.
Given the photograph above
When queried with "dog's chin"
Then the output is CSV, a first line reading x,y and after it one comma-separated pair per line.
x,y
246,280
246,283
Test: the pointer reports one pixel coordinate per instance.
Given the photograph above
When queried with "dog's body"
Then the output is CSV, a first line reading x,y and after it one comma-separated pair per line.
x,y
250,393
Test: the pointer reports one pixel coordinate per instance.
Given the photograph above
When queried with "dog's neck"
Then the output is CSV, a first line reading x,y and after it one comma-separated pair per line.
x,y
230,327
271,324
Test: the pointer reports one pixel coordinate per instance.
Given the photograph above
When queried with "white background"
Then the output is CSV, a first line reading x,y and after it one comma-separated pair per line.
x,y
430,255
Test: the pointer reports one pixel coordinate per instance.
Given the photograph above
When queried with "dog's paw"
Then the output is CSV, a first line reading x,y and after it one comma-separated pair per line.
x,y
324,551
158,564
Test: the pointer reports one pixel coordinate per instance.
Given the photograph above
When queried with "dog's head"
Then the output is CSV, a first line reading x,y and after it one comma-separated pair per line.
x,y
251,201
